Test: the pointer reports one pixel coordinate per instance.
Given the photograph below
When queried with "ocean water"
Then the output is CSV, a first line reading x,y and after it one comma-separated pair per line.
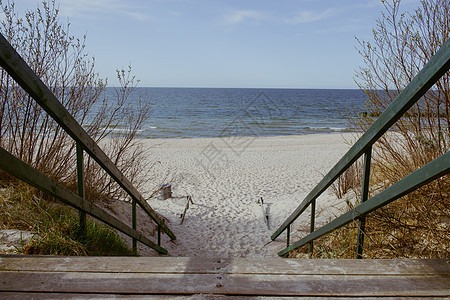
x,y
214,112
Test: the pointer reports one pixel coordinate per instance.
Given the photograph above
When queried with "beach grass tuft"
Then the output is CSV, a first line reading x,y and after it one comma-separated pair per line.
x,y
55,226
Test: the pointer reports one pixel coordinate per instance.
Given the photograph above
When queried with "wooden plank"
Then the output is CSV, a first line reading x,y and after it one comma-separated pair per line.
x,y
180,265
431,171
438,65
38,296
339,266
30,175
18,69
22,275
115,283
227,284
201,265
337,285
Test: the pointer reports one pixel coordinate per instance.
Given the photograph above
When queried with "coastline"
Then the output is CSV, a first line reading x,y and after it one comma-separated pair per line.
x,y
226,177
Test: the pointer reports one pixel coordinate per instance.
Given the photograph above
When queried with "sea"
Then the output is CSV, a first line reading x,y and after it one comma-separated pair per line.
x,y
217,112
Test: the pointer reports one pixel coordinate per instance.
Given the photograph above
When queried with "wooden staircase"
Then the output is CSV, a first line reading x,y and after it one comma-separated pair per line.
x,y
171,277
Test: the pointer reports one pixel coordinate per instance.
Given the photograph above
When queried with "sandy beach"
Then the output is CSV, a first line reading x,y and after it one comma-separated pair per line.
x,y
225,178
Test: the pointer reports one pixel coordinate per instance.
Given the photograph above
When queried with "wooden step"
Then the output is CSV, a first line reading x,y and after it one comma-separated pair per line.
x,y
96,277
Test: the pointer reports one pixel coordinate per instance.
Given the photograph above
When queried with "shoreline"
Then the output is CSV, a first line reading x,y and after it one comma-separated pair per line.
x,y
226,177
338,132
317,131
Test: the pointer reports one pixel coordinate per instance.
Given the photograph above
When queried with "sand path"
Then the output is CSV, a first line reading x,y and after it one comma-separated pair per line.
x,y
226,177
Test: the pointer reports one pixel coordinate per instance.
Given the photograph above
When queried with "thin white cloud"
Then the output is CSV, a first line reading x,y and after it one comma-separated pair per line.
x,y
370,4
95,8
240,16
308,16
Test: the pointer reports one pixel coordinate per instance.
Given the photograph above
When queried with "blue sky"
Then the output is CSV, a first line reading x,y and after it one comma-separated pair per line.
x,y
212,43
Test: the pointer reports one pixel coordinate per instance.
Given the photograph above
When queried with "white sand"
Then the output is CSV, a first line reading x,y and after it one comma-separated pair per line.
x,y
226,177
13,239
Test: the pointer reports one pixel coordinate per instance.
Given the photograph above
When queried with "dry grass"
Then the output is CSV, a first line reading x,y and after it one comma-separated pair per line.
x,y
349,181
55,226
414,226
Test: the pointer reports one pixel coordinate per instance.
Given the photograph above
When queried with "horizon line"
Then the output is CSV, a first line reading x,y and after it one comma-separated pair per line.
x,y
268,88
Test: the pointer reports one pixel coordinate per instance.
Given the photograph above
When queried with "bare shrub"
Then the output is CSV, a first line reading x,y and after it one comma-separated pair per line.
x,y
416,225
60,60
402,44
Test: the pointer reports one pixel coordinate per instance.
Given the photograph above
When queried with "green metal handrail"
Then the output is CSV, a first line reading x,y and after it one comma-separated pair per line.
x,y
433,170
438,65
19,70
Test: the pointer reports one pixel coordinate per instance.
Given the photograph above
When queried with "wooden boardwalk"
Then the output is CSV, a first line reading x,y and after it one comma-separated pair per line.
x,y
168,277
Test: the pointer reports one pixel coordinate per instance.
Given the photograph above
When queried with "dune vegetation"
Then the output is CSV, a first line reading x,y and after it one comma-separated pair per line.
x,y
417,224
26,131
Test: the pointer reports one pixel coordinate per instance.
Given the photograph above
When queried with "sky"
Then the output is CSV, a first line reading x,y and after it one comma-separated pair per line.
x,y
219,43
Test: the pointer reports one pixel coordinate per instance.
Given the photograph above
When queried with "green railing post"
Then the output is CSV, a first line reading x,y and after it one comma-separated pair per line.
x,y
159,235
364,197
288,231
312,225
133,221
80,184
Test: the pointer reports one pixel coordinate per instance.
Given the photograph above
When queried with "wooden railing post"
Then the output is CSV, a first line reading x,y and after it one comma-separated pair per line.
x,y
312,225
80,184
133,221
364,197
